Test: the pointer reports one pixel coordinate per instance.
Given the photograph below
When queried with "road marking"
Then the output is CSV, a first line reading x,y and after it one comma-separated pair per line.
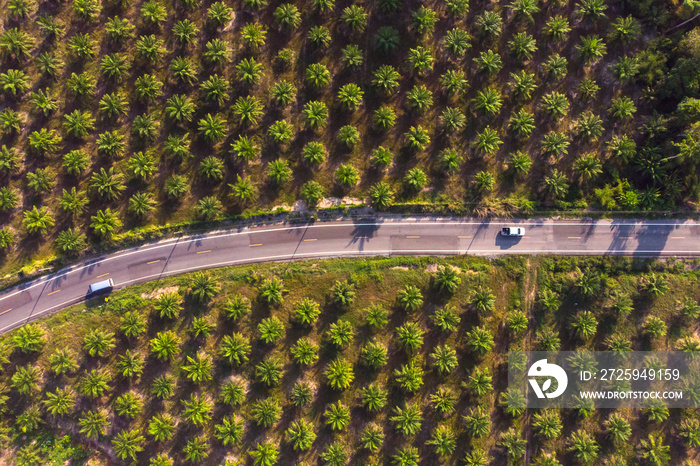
x,y
204,252
574,237
254,245
313,239
465,237
152,262
53,292
413,237
168,243
527,237
677,237
361,237
103,275
5,312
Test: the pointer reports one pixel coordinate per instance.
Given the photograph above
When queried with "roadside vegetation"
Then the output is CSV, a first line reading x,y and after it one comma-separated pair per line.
x,y
380,361
117,116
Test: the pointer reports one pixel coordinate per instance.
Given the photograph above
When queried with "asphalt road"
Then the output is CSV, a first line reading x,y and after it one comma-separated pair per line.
x,y
332,239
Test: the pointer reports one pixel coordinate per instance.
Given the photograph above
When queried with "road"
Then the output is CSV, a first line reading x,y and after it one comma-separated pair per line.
x,y
424,236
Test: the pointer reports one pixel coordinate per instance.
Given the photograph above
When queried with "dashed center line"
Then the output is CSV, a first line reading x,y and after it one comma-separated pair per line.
x,y
254,245
204,252
103,275
677,237
313,239
361,237
413,237
152,262
574,237
5,312
465,237
53,292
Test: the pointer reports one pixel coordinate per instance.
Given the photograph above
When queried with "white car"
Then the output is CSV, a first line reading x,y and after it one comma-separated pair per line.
x,y
513,231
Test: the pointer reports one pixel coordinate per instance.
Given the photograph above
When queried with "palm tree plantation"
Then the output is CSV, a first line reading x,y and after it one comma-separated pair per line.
x,y
124,117
397,361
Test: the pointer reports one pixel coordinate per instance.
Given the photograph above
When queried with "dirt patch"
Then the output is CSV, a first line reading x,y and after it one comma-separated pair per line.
x,y
400,267
155,294
433,268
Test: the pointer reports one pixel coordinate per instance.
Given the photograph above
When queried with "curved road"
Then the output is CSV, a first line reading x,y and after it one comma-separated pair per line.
x,y
383,236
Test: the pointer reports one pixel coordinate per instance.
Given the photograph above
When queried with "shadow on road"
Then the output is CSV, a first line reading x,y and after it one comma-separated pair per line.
x,y
651,239
364,231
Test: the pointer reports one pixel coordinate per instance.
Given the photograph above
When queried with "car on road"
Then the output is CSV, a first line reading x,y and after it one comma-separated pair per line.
x,y
513,231
105,286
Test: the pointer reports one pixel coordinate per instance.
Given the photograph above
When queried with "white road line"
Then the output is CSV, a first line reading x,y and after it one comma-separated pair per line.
x,y
388,223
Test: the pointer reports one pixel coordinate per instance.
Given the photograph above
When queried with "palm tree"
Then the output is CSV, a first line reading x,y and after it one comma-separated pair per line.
x,y
81,85
250,71
62,361
130,365
420,60
163,387
443,441
95,383
555,104
79,123
270,329
269,371
105,223
266,412
622,108
444,359
209,208
15,43
337,416
14,82
43,102
654,451
374,355
319,36
340,333
37,221
165,344
315,114
301,394
522,45
98,342
185,31
478,423
248,109
145,127
272,291
352,56
547,423
618,429
447,279
446,319
381,195
128,443
557,28
591,9
583,446
26,379
339,374
456,41
115,67
41,181
44,141
513,444
198,369
235,349
110,144
318,75
161,427
107,183
266,453
128,405
229,431
407,419
489,62
387,40
283,93
409,377
591,48
386,78
253,35
7,238
203,287
132,324
417,138
625,30
585,325
287,16
342,293
233,393
480,340
113,105
373,397
281,132
93,424
179,108
197,409
312,193
420,98
350,95
522,123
